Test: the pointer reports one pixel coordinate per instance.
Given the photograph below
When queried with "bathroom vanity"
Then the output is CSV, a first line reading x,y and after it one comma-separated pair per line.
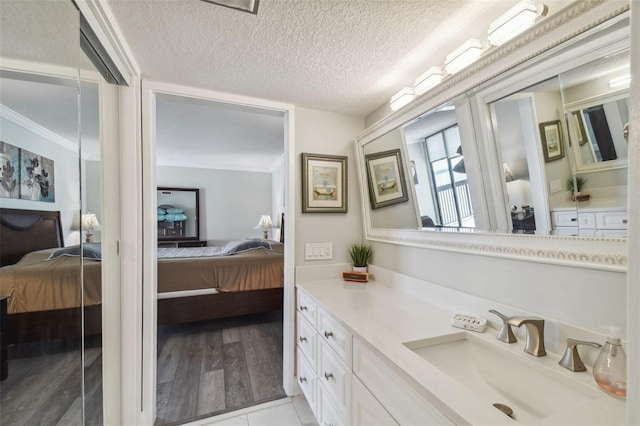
x,y
372,354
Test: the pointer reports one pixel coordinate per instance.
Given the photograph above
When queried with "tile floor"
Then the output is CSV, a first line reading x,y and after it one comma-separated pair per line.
x,y
290,411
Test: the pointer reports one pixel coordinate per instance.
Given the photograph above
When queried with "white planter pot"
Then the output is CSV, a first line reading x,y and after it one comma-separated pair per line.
x,y
360,269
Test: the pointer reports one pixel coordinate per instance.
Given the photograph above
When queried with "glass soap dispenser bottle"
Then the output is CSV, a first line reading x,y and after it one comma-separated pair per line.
x,y
610,368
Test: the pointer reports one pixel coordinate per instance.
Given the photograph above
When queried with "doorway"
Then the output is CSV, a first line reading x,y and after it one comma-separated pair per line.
x,y
193,348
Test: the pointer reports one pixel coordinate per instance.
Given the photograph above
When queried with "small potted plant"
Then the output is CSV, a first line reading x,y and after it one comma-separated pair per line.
x,y
360,255
575,186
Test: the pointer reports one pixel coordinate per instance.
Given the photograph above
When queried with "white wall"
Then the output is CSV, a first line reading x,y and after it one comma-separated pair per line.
x,y
231,202
66,177
320,132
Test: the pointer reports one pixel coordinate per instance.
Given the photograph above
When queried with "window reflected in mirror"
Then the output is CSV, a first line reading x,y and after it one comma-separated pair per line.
x,y
438,167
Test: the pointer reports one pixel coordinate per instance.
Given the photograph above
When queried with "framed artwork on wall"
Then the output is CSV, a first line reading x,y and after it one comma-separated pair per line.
x,y
386,178
324,183
581,133
551,140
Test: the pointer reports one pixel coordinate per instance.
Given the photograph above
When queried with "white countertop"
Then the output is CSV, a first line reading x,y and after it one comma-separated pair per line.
x,y
384,318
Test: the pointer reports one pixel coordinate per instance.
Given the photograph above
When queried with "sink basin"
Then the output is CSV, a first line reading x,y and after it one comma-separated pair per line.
x,y
503,376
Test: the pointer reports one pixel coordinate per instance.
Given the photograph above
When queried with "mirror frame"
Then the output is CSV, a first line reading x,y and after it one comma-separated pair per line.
x,y
532,46
196,192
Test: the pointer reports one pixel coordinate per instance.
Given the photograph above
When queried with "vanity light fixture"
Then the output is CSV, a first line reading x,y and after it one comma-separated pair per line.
x,y
464,55
431,78
401,98
516,20
250,6
621,81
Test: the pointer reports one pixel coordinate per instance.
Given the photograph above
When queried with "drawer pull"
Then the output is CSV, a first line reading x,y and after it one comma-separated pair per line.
x,y
303,308
303,379
624,220
328,376
302,339
328,334
573,219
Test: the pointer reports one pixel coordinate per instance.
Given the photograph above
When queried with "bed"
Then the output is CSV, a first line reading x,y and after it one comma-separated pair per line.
x,y
45,294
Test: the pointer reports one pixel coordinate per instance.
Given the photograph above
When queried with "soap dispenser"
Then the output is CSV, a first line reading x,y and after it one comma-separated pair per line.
x,y
610,368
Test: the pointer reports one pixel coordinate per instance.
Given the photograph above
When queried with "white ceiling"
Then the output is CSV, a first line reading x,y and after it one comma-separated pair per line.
x,y
346,56
196,133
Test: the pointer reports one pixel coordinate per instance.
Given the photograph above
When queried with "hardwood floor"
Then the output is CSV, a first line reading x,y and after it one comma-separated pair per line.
x,y
218,366
46,389
204,368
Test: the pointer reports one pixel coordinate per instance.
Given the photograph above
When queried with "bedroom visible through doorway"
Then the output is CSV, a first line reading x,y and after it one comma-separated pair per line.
x,y
219,170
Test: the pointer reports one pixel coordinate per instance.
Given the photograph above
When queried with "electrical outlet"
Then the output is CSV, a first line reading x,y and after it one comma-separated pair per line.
x,y
318,251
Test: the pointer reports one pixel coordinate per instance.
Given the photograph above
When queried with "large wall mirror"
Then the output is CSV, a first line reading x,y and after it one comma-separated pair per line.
x,y
525,162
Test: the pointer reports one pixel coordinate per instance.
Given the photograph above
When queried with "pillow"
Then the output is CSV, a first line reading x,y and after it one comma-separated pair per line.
x,y
175,210
89,251
162,217
161,211
233,247
175,217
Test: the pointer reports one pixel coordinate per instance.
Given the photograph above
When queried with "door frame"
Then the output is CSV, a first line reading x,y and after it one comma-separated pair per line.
x,y
150,90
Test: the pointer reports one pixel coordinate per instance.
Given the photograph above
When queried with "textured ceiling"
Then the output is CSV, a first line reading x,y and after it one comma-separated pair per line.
x,y
348,56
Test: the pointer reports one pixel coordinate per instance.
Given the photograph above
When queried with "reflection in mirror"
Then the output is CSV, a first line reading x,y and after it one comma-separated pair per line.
x,y
439,171
178,210
596,99
596,103
530,138
401,215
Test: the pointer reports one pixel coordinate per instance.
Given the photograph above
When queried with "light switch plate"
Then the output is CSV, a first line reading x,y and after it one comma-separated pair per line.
x,y
318,251
555,186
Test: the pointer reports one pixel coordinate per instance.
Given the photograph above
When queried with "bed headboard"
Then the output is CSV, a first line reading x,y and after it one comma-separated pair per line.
x,y
24,231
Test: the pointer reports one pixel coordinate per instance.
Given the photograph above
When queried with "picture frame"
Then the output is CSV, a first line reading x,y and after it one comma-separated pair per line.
x,y
386,178
551,138
324,183
581,133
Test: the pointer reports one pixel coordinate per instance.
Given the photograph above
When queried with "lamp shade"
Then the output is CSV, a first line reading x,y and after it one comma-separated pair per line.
x,y
265,222
90,222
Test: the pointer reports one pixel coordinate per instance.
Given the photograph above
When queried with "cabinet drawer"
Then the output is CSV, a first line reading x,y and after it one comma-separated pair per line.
x,y
387,386
329,414
334,334
334,376
612,220
612,233
366,409
565,231
587,220
307,339
308,381
307,307
565,218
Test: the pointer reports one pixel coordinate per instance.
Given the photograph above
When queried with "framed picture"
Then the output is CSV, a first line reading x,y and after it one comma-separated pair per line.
x,y
386,178
581,133
551,140
324,183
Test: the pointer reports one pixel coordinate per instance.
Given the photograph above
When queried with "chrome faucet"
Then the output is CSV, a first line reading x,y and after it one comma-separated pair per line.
x,y
535,332
571,359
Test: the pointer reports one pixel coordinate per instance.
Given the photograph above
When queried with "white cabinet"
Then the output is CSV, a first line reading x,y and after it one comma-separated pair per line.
x,y
366,409
403,403
590,222
345,382
324,362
